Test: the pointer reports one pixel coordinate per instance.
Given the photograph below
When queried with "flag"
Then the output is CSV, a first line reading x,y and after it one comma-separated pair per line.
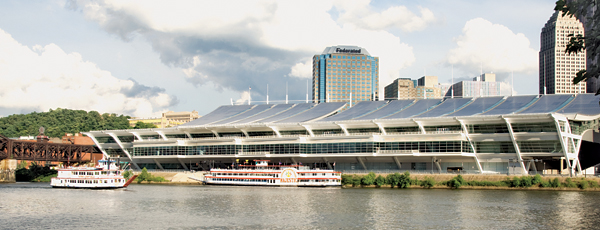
x,y
280,163
300,163
334,163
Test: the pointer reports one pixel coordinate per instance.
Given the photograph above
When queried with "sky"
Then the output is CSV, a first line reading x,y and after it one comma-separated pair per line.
x,y
142,58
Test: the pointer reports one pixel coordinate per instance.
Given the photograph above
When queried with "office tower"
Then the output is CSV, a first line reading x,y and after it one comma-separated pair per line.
x,y
557,68
345,74
482,86
405,88
401,88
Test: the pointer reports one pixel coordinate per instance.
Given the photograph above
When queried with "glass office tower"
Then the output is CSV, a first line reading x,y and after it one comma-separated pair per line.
x,y
345,74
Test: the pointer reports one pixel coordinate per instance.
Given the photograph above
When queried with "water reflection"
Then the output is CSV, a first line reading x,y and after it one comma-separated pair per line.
x,y
35,205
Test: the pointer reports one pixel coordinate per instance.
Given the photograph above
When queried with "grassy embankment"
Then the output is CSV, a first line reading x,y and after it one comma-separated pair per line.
x,y
144,177
469,181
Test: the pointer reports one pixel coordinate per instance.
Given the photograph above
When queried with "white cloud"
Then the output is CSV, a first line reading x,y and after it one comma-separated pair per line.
x,y
494,47
361,14
46,77
302,70
244,98
242,43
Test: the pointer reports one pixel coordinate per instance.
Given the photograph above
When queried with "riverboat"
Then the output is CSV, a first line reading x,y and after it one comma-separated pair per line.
x,y
105,175
263,174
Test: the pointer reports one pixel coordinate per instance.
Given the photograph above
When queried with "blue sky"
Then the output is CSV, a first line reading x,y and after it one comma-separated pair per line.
x,y
141,58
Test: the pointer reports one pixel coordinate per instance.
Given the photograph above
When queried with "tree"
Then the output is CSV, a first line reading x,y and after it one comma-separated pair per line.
x,y
379,181
428,182
456,182
142,125
393,179
143,176
356,179
346,179
60,121
369,179
127,174
404,180
536,179
591,42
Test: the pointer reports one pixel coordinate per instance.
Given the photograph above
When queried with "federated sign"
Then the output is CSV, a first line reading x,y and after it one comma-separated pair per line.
x,y
289,175
343,50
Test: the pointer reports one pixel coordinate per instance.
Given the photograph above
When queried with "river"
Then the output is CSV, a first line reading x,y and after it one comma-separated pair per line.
x,y
37,205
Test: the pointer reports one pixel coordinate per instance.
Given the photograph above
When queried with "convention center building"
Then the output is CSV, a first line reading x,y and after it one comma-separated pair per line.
x,y
503,134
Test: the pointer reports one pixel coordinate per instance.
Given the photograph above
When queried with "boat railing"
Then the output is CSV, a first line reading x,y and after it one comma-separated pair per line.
x,y
410,171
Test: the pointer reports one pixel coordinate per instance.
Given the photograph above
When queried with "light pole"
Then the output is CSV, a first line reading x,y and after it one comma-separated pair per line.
x,y
544,172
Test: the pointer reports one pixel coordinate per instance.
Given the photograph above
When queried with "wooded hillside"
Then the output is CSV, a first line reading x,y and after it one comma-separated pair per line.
x,y
60,121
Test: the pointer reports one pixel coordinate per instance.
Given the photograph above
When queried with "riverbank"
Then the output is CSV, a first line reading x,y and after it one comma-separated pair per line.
x,y
472,181
434,181
179,178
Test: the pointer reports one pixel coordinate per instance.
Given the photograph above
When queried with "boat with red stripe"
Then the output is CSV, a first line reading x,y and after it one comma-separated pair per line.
x,y
261,173
105,175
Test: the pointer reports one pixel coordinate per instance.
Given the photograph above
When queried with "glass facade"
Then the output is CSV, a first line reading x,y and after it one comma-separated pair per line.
x,y
301,148
340,75
534,127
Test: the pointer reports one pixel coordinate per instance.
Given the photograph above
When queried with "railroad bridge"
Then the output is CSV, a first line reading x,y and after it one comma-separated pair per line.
x,y
42,150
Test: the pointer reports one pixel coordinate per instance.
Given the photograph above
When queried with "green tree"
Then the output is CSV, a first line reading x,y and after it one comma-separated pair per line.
x,y
127,174
369,179
346,179
356,179
142,125
60,121
555,183
379,181
456,182
22,165
428,182
404,180
515,182
144,176
526,181
460,179
587,9
536,179
393,179
569,183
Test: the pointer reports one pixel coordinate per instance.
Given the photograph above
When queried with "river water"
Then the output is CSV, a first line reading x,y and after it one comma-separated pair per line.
x,y
37,205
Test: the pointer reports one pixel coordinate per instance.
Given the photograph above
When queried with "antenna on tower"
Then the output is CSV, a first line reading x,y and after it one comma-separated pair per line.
x,y
512,84
452,84
545,74
307,91
249,95
350,100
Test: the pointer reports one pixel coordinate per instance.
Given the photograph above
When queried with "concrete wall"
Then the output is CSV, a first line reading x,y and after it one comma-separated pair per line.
x,y
7,170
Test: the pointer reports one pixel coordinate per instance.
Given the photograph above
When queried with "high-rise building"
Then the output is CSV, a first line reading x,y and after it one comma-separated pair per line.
x,y
428,81
168,119
344,74
400,88
484,85
405,88
557,68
